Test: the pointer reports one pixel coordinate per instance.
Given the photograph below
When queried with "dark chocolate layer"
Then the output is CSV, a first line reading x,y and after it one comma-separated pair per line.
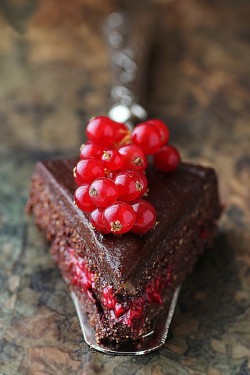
x,y
123,259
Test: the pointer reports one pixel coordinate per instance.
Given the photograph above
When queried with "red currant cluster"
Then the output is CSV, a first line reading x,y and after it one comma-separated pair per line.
x,y
110,173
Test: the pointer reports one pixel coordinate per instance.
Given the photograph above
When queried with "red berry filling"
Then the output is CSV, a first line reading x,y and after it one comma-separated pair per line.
x,y
77,273
134,307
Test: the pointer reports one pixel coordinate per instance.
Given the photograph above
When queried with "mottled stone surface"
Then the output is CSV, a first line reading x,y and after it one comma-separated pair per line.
x,y
54,76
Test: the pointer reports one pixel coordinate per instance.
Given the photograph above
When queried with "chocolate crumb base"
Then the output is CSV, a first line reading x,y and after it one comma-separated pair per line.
x,y
109,330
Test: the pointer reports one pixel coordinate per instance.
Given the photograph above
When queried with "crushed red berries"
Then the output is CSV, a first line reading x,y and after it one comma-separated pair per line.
x,y
78,274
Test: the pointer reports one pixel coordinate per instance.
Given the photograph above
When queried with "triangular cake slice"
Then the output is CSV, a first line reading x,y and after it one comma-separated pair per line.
x,y
126,280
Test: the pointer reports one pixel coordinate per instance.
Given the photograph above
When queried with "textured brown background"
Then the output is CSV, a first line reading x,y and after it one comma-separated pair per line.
x,y
54,76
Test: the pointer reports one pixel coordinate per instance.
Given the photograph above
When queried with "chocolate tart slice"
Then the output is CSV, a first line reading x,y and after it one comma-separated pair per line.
x,y
125,281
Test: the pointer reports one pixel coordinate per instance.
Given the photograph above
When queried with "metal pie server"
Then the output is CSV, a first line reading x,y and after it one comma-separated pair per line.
x,y
129,48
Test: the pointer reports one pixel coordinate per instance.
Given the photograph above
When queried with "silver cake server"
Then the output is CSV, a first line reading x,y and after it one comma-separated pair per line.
x,y
154,339
129,40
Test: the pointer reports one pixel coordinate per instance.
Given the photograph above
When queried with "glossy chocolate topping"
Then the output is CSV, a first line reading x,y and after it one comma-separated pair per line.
x,y
122,258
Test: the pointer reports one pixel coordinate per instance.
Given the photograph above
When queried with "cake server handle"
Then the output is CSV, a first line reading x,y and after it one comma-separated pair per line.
x,y
129,36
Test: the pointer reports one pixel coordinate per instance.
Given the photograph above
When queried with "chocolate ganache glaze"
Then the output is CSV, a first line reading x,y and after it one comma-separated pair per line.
x,y
187,206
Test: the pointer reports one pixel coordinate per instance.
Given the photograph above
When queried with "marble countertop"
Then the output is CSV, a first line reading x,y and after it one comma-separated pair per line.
x,y
54,76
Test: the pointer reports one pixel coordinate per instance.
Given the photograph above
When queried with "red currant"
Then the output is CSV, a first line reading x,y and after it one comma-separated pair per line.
x,y
88,170
147,137
119,310
112,160
132,158
101,130
82,198
131,185
167,159
162,129
112,175
145,217
109,299
77,180
103,192
120,216
121,130
98,221
90,150
106,132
